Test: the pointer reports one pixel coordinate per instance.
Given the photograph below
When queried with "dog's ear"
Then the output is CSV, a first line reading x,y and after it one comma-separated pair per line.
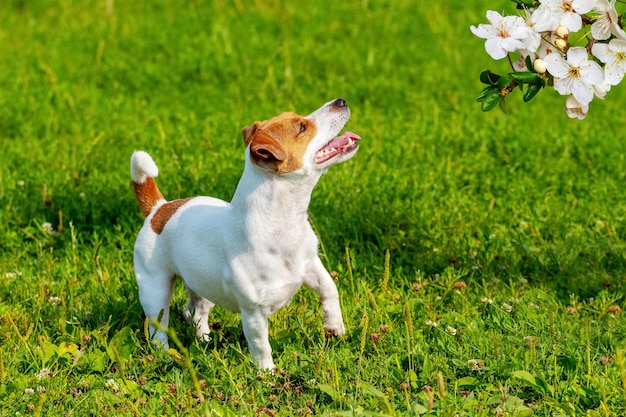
x,y
266,151
248,132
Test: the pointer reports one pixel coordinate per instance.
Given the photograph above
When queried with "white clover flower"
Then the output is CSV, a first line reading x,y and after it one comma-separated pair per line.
x,y
607,23
112,385
10,275
504,34
54,300
507,307
568,12
45,372
430,323
47,228
29,391
613,55
474,365
575,75
451,330
486,300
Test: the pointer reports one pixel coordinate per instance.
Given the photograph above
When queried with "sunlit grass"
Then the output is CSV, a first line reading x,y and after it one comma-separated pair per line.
x,y
480,257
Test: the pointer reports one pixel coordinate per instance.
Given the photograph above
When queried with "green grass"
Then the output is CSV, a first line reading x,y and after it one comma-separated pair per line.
x,y
507,230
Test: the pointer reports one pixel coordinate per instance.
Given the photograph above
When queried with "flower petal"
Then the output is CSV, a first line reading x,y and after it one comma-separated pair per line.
x,y
601,51
494,48
572,21
592,72
576,56
556,65
484,31
614,72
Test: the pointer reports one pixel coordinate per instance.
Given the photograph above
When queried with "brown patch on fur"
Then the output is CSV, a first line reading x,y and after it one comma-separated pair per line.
x,y
147,194
164,213
288,141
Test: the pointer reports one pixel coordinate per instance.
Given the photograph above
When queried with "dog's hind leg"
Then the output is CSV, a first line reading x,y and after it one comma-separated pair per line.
x,y
155,294
320,281
197,314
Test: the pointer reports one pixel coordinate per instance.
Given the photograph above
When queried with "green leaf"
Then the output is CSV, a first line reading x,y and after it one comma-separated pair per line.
x,y
529,63
490,98
488,77
529,379
526,77
371,390
330,391
122,342
504,82
467,381
531,91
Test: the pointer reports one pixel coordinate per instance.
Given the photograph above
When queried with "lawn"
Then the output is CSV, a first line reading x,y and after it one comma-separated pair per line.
x,y
480,257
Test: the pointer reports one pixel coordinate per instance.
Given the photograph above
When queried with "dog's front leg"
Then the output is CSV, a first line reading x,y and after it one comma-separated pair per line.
x,y
320,281
255,328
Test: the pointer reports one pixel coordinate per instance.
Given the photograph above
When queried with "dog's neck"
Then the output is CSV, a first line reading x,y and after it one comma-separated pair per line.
x,y
273,203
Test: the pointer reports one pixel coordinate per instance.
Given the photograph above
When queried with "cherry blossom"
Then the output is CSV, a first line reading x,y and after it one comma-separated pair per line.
x,y
504,34
575,75
607,23
568,12
613,54
538,21
574,109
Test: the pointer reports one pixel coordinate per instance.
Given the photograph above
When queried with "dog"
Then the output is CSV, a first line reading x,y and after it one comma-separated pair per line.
x,y
253,254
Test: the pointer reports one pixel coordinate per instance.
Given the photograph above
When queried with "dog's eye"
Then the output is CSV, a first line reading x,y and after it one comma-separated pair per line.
x,y
302,127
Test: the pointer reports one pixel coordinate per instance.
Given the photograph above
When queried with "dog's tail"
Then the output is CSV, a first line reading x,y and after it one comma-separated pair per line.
x,y
143,170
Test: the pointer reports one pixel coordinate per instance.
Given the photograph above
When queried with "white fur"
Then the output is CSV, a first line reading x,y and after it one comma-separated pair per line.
x,y
142,166
250,256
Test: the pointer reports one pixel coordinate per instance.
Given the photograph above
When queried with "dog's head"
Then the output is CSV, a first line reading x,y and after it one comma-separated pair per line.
x,y
290,142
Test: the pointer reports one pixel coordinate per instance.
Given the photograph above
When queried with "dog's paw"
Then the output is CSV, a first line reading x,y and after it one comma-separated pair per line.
x,y
334,330
204,337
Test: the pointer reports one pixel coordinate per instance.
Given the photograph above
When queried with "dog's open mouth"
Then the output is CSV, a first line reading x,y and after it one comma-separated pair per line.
x,y
340,145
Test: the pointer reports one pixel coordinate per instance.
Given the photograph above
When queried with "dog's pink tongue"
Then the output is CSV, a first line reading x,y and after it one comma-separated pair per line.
x,y
343,139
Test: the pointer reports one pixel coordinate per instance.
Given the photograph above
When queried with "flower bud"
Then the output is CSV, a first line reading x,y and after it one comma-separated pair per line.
x,y
561,43
561,31
539,66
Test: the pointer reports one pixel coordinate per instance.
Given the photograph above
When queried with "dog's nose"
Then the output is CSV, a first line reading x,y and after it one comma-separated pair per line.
x,y
341,103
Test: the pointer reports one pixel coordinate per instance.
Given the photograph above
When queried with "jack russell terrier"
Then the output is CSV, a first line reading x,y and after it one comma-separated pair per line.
x,y
252,255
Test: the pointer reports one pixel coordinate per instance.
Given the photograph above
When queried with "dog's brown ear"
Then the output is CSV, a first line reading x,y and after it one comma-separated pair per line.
x,y
266,150
248,132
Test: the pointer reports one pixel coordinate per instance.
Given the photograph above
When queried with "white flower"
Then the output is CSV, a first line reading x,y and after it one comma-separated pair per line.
x,y
568,12
475,364
430,323
47,228
613,55
575,75
607,23
507,307
539,20
112,385
601,89
486,300
44,373
54,300
29,391
504,34
451,330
